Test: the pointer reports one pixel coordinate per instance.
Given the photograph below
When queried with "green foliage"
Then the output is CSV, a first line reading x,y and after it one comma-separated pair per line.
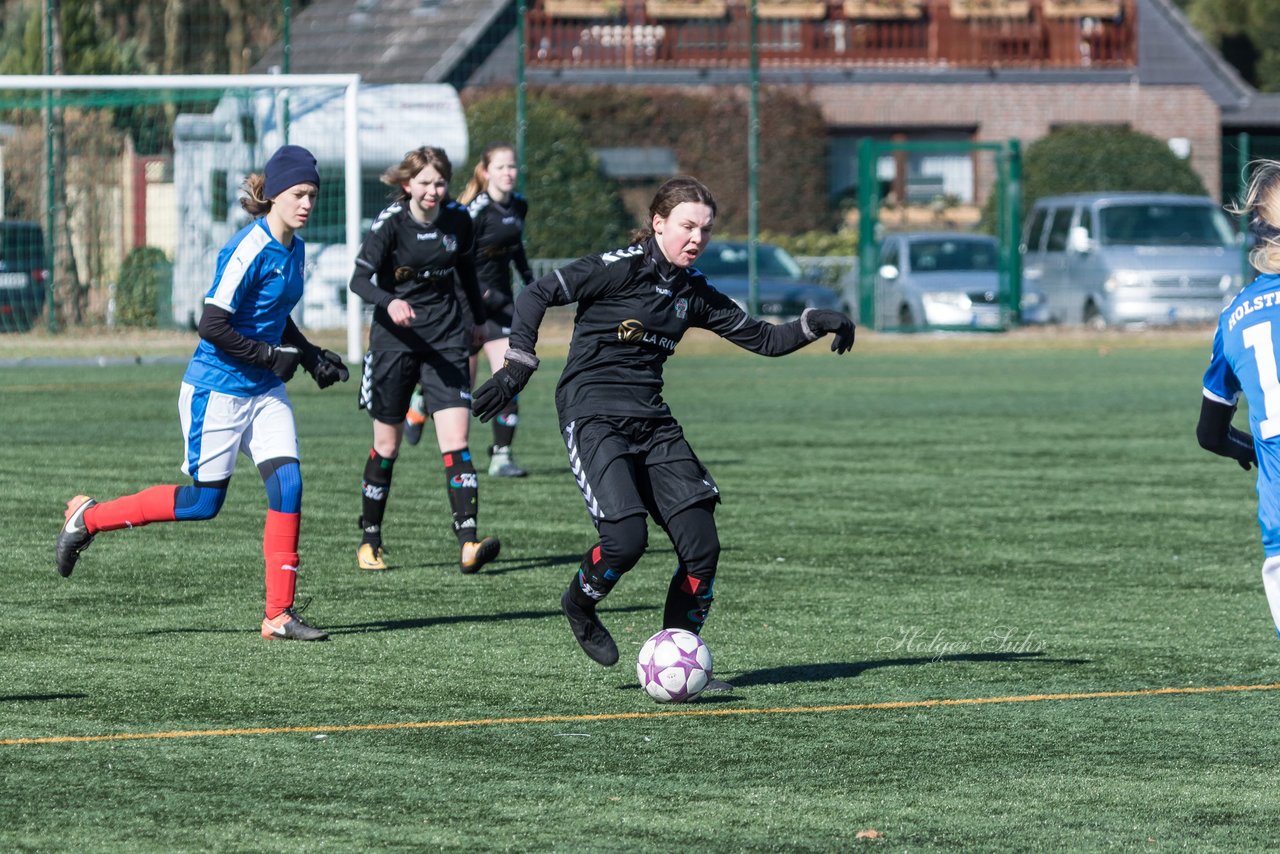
x,y
86,47
145,277
1247,32
822,243
573,209
1088,158
708,134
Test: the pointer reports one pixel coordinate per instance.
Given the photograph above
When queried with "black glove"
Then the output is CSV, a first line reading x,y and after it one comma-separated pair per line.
x,y
822,321
283,361
492,397
325,366
1242,448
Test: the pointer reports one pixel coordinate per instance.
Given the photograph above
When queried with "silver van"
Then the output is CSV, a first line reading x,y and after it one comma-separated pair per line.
x,y
1132,259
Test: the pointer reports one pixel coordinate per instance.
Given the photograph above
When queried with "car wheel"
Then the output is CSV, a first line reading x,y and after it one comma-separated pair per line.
x,y
1093,318
906,318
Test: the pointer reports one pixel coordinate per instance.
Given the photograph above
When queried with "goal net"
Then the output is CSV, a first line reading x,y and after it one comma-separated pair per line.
x,y
119,192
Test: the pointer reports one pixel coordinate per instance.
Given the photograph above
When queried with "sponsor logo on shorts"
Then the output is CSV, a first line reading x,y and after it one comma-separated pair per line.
x,y
464,481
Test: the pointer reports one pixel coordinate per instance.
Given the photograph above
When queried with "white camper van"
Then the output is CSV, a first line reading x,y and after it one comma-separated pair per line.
x,y
213,153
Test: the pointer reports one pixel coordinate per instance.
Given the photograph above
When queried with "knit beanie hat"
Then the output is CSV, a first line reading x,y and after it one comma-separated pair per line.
x,y
291,164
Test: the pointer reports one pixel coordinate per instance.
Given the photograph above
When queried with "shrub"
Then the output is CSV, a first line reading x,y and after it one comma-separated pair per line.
x,y
1085,159
145,276
573,209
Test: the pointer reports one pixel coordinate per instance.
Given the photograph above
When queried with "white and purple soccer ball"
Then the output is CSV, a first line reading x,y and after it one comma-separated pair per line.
x,y
674,666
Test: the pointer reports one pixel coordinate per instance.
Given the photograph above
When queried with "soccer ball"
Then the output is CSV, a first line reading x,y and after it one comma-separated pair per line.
x,y
674,666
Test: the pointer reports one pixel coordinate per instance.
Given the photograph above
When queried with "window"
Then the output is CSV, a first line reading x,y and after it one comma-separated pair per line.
x,y
1058,229
1165,225
930,256
1035,231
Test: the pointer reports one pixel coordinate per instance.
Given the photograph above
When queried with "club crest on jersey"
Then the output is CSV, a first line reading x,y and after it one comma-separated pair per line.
x,y
682,308
631,331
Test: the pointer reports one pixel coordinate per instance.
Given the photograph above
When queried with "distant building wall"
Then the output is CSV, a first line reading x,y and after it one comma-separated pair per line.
x,y
1029,112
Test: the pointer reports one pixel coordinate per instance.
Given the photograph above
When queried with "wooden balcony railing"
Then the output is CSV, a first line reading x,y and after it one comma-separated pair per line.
x,y
628,34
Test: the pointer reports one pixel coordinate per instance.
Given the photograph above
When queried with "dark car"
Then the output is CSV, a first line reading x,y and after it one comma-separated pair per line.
x,y
24,275
783,289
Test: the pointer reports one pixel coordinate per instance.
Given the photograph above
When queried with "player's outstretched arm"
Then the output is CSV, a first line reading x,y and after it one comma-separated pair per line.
x,y
758,336
820,321
1215,434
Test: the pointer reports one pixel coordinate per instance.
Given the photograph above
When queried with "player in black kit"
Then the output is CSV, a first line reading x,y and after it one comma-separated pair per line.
x,y
420,251
498,213
628,453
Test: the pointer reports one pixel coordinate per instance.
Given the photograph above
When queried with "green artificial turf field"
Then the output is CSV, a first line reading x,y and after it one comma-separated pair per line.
x,y
1023,524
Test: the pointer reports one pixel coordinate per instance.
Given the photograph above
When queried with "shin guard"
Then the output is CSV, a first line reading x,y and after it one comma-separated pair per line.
x,y
464,493
155,504
374,491
688,602
280,548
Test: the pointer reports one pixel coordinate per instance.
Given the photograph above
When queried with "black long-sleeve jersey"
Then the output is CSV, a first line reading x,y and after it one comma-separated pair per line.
x,y
499,245
420,264
633,308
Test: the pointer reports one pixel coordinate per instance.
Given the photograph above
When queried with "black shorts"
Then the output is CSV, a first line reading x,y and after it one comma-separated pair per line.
x,y
498,326
390,376
626,466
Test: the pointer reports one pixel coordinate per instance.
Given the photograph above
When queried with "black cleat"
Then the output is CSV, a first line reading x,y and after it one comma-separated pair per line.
x,y
591,634
74,536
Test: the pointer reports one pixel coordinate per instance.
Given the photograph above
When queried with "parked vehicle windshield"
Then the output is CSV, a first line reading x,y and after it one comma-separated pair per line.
x,y
730,259
1165,225
929,256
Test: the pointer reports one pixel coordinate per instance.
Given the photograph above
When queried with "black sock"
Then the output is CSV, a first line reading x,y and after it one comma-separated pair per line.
x,y
504,426
374,490
464,493
688,601
593,580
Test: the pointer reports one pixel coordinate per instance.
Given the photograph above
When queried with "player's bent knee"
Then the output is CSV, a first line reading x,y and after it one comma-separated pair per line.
x,y
624,541
199,502
283,479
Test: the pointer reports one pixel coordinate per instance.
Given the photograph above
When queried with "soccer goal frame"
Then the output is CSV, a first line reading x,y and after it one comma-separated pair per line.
x,y
348,83
1007,156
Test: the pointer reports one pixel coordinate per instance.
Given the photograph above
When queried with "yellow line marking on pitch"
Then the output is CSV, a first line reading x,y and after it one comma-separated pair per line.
x,y
621,716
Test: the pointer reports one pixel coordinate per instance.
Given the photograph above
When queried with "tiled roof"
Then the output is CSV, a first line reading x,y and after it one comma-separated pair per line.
x,y
390,41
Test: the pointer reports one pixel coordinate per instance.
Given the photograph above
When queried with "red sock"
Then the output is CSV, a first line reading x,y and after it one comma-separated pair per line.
x,y
280,548
154,504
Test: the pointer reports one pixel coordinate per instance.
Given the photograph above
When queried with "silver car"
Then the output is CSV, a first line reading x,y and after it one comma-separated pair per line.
x,y
1132,259
945,279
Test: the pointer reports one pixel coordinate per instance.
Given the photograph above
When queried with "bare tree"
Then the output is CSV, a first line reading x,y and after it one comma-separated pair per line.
x,y
66,275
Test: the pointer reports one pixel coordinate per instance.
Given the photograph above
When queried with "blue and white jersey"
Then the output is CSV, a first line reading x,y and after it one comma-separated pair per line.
x,y
1244,358
259,282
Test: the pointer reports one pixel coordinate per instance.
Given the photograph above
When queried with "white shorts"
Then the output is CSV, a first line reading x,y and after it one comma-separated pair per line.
x,y
215,426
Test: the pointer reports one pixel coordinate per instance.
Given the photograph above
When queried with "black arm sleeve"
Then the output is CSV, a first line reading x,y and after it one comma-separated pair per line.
x,y
362,286
293,335
215,327
765,338
522,264
466,264
531,306
1215,433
